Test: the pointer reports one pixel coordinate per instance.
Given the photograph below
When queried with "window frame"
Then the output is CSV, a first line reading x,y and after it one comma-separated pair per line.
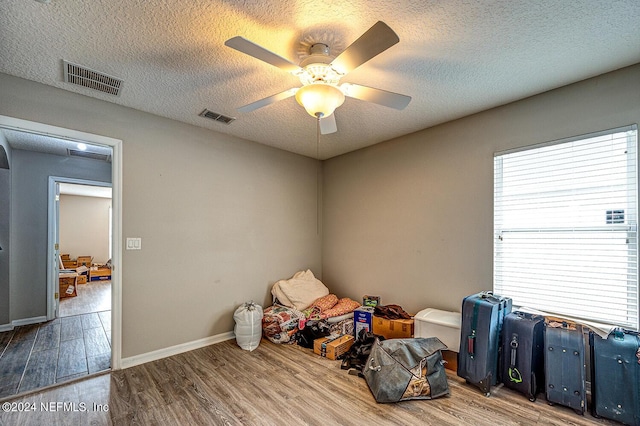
x,y
631,224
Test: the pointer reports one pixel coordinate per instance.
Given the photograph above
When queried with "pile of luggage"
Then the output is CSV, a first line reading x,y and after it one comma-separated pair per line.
x,y
533,353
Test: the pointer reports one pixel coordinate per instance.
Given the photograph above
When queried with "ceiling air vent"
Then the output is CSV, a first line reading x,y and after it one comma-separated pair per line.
x,y
217,117
89,155
82,76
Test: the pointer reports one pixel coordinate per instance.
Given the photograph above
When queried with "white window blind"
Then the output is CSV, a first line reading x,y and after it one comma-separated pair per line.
x,y
565,224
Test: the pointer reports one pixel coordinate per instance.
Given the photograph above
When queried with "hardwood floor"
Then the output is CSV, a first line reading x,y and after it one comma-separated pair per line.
x,y
273,385
94,296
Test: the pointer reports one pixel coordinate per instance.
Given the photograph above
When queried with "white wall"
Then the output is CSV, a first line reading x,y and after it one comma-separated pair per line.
x,y
84,227
411,219
221,219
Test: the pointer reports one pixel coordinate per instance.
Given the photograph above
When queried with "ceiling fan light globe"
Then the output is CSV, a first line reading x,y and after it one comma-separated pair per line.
x,y
320,99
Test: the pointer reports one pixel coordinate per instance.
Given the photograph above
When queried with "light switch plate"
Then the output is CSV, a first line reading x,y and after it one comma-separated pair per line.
x,y
134,243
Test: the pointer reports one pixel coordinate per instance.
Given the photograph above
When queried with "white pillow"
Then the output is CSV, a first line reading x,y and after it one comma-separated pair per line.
x,y
300,291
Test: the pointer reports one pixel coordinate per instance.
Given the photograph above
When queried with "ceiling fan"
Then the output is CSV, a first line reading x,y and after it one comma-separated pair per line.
x,y
320,75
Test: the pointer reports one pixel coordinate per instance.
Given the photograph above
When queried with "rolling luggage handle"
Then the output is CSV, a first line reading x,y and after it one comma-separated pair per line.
x,y
474,325
514,373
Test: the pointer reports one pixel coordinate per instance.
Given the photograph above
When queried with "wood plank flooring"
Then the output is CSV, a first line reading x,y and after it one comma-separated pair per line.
x,y
94,296
273,385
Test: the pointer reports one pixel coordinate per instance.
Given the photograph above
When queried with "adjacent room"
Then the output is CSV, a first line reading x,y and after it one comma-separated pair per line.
x,y
368,143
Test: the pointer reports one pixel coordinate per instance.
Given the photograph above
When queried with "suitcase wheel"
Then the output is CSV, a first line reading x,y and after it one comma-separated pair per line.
x,y
532,398
487,394
579,412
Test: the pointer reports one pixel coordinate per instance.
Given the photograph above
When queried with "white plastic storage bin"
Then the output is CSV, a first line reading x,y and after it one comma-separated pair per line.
x,y
444,325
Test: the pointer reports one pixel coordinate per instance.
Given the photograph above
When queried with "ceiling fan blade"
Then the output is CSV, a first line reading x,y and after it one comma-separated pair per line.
x,y
250,48
374,41
268,101
378,96
328,124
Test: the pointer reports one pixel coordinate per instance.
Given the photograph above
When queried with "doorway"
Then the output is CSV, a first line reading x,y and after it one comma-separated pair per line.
x,y
33,326
84,239
80,235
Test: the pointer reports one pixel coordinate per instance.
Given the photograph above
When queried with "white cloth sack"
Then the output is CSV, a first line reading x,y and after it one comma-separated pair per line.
x,y
248,329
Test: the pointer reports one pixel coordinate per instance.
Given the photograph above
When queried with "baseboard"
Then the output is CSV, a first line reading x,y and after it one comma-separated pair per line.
x,y
175,350
23,321
27,321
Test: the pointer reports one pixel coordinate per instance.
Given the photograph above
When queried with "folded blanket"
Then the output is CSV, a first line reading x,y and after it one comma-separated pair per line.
x,y
280,323
300,291
344,306
320,305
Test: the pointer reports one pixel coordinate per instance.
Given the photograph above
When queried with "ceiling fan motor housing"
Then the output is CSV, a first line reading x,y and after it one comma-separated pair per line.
x,y
317,67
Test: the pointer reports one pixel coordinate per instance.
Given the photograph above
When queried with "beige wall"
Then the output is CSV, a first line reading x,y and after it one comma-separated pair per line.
x,y
221,219
84,227
411,219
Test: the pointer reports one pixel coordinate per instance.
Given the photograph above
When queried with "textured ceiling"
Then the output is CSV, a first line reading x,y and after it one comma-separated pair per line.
x,y
48,145
454,58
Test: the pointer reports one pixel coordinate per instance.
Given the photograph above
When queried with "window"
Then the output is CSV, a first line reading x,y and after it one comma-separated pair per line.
x,y
565,227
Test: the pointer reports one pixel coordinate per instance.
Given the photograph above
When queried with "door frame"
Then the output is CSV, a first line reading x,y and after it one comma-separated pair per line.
x,y
116,145
53,227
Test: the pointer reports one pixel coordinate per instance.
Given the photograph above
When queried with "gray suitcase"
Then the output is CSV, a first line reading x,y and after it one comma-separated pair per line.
x,y
615,376
480,345
523,353
564,363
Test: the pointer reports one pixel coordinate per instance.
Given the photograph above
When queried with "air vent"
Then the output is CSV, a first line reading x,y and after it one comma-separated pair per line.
x,y
217,117
82,76
89,155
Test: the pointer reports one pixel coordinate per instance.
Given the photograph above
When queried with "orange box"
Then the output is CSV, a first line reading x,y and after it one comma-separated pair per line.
x,y
393,329
67,284
99,274
69,264
333,348
84,261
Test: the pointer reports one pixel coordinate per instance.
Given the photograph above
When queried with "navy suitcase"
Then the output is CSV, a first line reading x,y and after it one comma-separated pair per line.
x,y
478,357
564,364
615,376
523,353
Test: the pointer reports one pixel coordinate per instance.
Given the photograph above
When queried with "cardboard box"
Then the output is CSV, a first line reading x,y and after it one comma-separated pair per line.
x,y
333,348
393,329
99,274
67,284
65,256
69,264
82,279
451,359
84,261
371,301
362,319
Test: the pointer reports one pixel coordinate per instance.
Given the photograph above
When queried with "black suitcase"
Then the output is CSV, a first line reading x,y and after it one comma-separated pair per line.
x,y
615,376
478,357
564,364
523,353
